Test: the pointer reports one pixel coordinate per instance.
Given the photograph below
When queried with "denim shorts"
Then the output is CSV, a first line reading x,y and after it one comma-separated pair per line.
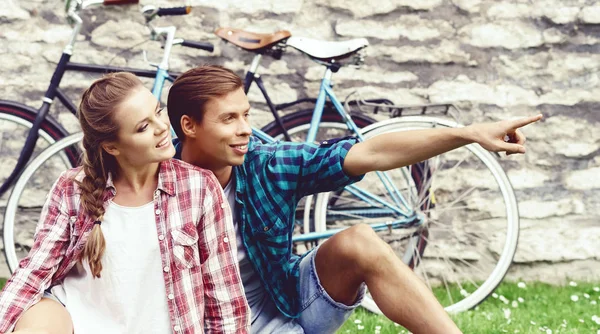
x,y
320,313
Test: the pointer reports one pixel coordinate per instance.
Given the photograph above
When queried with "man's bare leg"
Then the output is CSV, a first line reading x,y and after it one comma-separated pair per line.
x,y
358,255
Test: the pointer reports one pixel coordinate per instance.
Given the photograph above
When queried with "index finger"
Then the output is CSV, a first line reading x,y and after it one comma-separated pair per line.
x,y
521,122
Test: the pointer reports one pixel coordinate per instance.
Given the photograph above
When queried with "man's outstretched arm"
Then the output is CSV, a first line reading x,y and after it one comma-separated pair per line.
x,y
394,150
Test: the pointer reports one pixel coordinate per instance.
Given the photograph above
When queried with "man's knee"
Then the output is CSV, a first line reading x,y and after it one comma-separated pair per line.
x,y
359,244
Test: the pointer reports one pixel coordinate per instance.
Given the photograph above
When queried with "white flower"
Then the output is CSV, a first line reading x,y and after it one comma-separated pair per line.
x,y
572,283
504,300
464,293
574,298
586,295
522,285
378,328
521,300
593,302
506,313
495,295
515,304
360,327
597,289
581,320
548,331
357,321
532,322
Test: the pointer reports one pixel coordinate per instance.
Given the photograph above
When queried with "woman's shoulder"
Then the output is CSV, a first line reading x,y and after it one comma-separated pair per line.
x,y
70,178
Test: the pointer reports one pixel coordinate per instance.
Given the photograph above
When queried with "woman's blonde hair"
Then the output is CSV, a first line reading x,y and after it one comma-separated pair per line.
x,y
96,116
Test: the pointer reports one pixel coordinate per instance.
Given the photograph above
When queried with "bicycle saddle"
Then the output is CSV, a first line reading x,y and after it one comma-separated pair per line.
x,y
251,41
325,50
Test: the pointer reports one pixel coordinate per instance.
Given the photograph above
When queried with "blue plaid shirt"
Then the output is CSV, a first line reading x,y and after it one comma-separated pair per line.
x,y
269,185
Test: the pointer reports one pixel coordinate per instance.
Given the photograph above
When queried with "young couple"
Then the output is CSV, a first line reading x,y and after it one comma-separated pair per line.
x,y
135,241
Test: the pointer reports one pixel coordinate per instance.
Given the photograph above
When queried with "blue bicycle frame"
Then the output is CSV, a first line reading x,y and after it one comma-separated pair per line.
x,y
399,207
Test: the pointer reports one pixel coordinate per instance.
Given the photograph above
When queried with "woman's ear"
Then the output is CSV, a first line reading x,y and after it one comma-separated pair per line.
x,y
188,126
111,149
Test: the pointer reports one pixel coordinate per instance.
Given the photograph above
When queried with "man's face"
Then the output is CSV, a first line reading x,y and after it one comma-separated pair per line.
x,y
223,134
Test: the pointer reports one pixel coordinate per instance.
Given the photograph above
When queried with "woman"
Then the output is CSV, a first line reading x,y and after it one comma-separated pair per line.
x,y
133,241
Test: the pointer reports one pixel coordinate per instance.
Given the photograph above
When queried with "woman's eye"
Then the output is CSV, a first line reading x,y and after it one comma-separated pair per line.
x,y
143,128
159,111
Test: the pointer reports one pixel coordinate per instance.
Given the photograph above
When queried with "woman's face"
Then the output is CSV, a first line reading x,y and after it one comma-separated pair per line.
x,y
144,135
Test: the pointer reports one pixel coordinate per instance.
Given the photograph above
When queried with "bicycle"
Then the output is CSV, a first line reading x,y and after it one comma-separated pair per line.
x,y
38,123
334,211
407,208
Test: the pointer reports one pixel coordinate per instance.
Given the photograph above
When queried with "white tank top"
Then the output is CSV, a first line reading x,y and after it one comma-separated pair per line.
x,y
130,296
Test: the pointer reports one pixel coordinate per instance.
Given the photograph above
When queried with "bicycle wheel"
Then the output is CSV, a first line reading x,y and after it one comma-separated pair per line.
x,y
298,124
29,194
463,223
15,122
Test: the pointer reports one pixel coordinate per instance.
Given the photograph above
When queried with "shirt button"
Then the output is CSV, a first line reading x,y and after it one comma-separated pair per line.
x,y
166,269
226,239
156,193
266,229
223,205
177,328
73,219
171,296
157,211
161,237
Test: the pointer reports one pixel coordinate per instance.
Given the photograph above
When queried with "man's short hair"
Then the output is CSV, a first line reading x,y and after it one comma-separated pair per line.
x,y
194,88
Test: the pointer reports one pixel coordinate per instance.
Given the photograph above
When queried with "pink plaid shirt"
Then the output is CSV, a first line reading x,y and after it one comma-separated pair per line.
x,y
196,238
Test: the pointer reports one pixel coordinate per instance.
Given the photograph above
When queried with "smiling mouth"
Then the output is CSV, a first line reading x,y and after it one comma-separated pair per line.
x,y
163,142
239,147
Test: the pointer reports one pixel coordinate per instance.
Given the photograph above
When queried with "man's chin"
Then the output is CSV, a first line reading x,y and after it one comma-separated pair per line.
x,y
236,162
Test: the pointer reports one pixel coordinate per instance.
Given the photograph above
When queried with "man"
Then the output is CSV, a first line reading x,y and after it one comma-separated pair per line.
x,y
264,182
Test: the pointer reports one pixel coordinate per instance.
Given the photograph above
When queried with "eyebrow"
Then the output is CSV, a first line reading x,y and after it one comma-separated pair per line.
x,y
223,116
145,119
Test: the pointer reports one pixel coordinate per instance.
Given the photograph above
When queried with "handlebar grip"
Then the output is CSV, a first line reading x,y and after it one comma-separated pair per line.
x,y
199,45
174,11
120,2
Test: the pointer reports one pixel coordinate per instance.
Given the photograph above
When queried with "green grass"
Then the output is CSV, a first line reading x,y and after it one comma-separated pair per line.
x,y
544,308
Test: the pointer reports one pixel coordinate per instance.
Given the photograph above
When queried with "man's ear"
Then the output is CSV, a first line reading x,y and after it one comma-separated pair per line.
x,y
188,126
111,149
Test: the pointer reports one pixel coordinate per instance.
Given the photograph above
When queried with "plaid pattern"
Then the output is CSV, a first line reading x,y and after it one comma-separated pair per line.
x,y
269,185
198,247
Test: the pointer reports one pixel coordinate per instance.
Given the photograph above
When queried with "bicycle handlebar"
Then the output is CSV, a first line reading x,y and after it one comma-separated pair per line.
x,y
120,2
199,45
174,11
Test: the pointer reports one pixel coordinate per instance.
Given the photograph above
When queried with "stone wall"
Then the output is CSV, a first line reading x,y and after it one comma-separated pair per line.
x,y
495,59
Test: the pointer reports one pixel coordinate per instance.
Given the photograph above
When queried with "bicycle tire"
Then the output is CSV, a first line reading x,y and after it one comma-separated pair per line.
x,y
304,116
50,130
12,208
510,220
